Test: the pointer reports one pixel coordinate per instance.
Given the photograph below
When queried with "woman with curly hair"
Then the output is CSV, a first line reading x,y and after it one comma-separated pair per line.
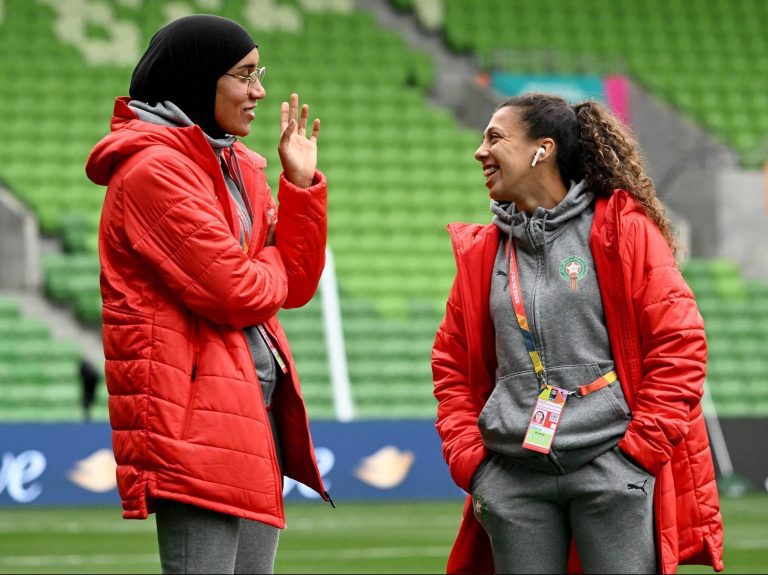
x,y
570,303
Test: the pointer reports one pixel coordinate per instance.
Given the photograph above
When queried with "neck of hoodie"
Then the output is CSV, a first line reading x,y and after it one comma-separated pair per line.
x,y
533,232
515,222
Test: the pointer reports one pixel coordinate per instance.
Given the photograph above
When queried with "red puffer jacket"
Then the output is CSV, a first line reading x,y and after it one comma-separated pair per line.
x,y
188,417
658,343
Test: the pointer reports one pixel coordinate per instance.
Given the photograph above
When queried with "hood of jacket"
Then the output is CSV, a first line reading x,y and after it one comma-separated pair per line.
x,y
130,134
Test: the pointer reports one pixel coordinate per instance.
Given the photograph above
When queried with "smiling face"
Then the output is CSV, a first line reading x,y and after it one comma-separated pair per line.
x,y
235,102
506,153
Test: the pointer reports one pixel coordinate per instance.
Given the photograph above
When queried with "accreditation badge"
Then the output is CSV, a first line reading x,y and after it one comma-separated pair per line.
x,y
545,419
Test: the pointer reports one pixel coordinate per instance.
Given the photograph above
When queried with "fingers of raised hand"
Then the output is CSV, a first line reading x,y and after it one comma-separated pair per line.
x,y
290,111
291,120
288,131
284,113
303,119
294,107
315,129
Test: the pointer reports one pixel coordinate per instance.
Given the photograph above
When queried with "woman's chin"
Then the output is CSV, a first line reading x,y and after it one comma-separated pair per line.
x,y
499,195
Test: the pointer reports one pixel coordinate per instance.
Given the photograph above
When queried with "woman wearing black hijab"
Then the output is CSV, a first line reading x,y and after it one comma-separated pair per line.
x,y
205,404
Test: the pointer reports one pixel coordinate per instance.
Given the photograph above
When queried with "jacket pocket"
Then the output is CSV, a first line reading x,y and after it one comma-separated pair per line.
x,y
477,475
194,377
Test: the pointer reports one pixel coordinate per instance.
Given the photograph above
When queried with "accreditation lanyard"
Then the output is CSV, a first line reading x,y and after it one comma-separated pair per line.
x,y
272,347
522,320
551,400
271,343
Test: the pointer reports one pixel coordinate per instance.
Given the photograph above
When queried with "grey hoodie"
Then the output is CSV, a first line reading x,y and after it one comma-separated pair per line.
x,y
168,114
565,314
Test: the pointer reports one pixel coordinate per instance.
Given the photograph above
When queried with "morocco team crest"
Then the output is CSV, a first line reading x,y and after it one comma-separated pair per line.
x,y
480,507
573,270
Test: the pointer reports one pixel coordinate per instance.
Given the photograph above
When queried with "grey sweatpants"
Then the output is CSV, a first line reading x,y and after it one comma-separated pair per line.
x,y
530,516
196,540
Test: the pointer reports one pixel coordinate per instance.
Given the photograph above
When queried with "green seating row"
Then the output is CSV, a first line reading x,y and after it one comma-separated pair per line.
x,y
39,375
735,315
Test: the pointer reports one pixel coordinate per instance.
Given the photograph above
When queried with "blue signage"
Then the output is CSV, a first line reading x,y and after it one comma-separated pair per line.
x,y
72,463
571,87
611,90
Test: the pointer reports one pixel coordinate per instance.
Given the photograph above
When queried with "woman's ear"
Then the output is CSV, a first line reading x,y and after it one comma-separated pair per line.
x,y
539,153
545,150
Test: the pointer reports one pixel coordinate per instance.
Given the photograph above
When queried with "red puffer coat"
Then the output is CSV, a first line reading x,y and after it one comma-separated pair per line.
x,y
658,343
188,418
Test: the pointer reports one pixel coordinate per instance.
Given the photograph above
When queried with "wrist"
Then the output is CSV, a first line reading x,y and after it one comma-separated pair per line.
x,y
300,181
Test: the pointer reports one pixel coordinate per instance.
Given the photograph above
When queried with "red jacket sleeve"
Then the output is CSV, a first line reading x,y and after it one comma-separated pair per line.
x,y
457,411
301,234
171,220
673,344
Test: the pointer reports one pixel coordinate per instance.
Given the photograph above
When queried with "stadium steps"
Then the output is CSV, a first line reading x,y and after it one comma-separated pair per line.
x,y
39,373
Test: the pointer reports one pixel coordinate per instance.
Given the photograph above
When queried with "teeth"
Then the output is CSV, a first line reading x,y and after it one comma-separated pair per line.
x,y
488,172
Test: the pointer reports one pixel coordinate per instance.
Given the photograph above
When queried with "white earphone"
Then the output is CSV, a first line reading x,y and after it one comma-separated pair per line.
x,y
539,153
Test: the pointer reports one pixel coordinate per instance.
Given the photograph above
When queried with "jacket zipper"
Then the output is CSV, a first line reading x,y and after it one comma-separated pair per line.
x,y
193,379
270,440
325,495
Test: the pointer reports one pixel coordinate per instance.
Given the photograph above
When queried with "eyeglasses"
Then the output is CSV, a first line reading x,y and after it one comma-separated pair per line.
x,y
257,74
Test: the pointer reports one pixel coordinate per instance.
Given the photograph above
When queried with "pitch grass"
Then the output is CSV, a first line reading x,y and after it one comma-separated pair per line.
x,y
354,538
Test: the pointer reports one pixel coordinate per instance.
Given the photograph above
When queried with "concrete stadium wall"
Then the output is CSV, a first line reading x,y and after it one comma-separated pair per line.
x,y
742,220
728,215
700,179
19,245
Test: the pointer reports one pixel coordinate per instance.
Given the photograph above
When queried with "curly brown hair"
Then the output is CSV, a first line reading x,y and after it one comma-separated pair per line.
x,y
594,145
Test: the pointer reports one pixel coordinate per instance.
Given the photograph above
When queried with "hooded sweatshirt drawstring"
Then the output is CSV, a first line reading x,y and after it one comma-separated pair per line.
x,y
237,176
544,250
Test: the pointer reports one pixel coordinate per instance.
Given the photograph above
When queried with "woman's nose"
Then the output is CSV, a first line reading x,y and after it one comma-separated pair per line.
x,y
481,153
257,91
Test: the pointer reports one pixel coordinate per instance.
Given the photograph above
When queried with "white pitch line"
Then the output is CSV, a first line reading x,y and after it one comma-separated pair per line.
x,y
124,526
373,522
75,560
297,556
74,527
326,555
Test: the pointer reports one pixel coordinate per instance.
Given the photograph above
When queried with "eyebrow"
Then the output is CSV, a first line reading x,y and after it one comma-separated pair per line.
x,y
247,67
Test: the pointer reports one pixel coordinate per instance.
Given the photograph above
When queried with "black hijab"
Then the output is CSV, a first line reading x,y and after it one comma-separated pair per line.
x,y
184,62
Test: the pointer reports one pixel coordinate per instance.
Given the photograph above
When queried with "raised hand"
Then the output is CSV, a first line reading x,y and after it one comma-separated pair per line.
x,y
298,153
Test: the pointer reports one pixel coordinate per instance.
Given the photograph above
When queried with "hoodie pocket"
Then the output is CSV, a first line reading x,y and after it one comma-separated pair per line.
x,y
592,420
586,421
505,416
